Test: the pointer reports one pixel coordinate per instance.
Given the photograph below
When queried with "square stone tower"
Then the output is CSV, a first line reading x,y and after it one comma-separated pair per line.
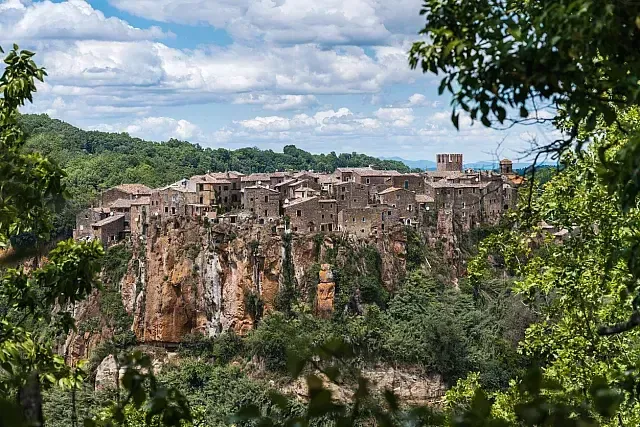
x,y
449,162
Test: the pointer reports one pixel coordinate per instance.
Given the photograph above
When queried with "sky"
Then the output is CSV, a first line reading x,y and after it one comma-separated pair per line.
x,y
324,76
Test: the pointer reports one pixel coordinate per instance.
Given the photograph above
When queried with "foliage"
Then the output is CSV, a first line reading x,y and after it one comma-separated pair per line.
x,y
94,161
38,303
220,350
499,56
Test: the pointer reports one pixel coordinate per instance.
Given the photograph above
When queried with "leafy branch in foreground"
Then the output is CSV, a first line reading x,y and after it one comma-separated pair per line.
x,y
37,304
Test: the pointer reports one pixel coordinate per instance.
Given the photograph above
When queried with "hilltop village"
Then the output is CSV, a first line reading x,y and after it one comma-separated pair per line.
x,y
359,202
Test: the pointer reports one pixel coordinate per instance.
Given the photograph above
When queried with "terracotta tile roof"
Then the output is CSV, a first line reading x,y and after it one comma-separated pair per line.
x,y
134,188
287,182
108,220
261,187
255,177
121,203
327,201
369,171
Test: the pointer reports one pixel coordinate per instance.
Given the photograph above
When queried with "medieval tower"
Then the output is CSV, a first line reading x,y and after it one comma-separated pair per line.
x,y
449,162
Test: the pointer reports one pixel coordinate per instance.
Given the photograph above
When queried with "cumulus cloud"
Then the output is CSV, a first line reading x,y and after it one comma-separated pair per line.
x,y
73,19
398,117
337,22
419,100
156,129
277,102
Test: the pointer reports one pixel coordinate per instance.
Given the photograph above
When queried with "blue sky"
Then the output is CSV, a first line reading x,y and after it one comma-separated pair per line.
x,y
325,76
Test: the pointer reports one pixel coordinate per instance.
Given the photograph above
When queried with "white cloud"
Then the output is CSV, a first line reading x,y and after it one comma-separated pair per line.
x,y
398,117
73,19
419,100
157,129
334,22
277,102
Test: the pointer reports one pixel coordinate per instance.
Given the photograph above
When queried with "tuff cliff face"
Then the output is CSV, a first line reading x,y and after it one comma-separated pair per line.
x,y
190,277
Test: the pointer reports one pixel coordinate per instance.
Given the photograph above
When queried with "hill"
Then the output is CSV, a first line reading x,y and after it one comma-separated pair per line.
x,y
96,160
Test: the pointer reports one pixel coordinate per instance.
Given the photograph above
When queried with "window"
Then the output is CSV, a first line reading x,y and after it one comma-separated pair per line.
x,y
474,190
354,219
173,211
166,209
86,217
200,187
226,188
201,200
460,192
225,199
266,198
233,186
397,197
298,212
322,216
363,219
342,197
344,189
355,201
464,205
368,181
331,216
295,228
321,227
251,199
410,208
389,213
406,184
382,226
266,212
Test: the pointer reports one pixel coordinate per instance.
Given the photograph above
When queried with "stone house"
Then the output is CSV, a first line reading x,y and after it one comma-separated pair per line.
x,y
409,181
263,202
110,229
312,179
367,221
304,215
351,195
327,182
251,180
173,199
123,191
425,202
328,214
400,198
276,178
304,192
85,219
139,215
287,188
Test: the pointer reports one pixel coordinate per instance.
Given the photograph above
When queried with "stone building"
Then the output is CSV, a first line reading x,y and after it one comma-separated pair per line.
x,y
312,179
449,162
124,191
328,214
506,166
403,200
409,181
251,180
367,221
173,200
263,202
110,229
351,195
87,217
304,215
139,216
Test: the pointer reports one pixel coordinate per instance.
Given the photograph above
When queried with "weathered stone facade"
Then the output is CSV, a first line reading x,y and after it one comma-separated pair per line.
x,y
110,229
263,202
370,220
449,162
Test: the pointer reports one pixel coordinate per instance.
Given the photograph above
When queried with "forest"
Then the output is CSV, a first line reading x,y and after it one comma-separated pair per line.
x,y
522,330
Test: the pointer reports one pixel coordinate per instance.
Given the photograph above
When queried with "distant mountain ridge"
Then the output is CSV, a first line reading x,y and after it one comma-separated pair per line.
x,y
481,165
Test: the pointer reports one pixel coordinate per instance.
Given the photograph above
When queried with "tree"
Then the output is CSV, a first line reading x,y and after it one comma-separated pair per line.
x,y
37,304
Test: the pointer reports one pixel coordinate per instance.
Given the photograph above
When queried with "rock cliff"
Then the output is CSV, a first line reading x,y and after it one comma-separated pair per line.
x,y
192,277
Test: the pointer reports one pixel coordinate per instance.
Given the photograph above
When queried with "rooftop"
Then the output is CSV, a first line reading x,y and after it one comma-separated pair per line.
x,y
108,220
390,190
121,204
423,198
134,188
300,201
260,187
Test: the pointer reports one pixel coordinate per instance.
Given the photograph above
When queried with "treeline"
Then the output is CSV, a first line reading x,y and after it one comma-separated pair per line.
x,y
96,160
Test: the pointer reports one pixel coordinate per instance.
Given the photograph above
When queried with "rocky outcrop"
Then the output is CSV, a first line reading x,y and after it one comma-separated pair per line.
x,y
326,292
189,276
410,386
